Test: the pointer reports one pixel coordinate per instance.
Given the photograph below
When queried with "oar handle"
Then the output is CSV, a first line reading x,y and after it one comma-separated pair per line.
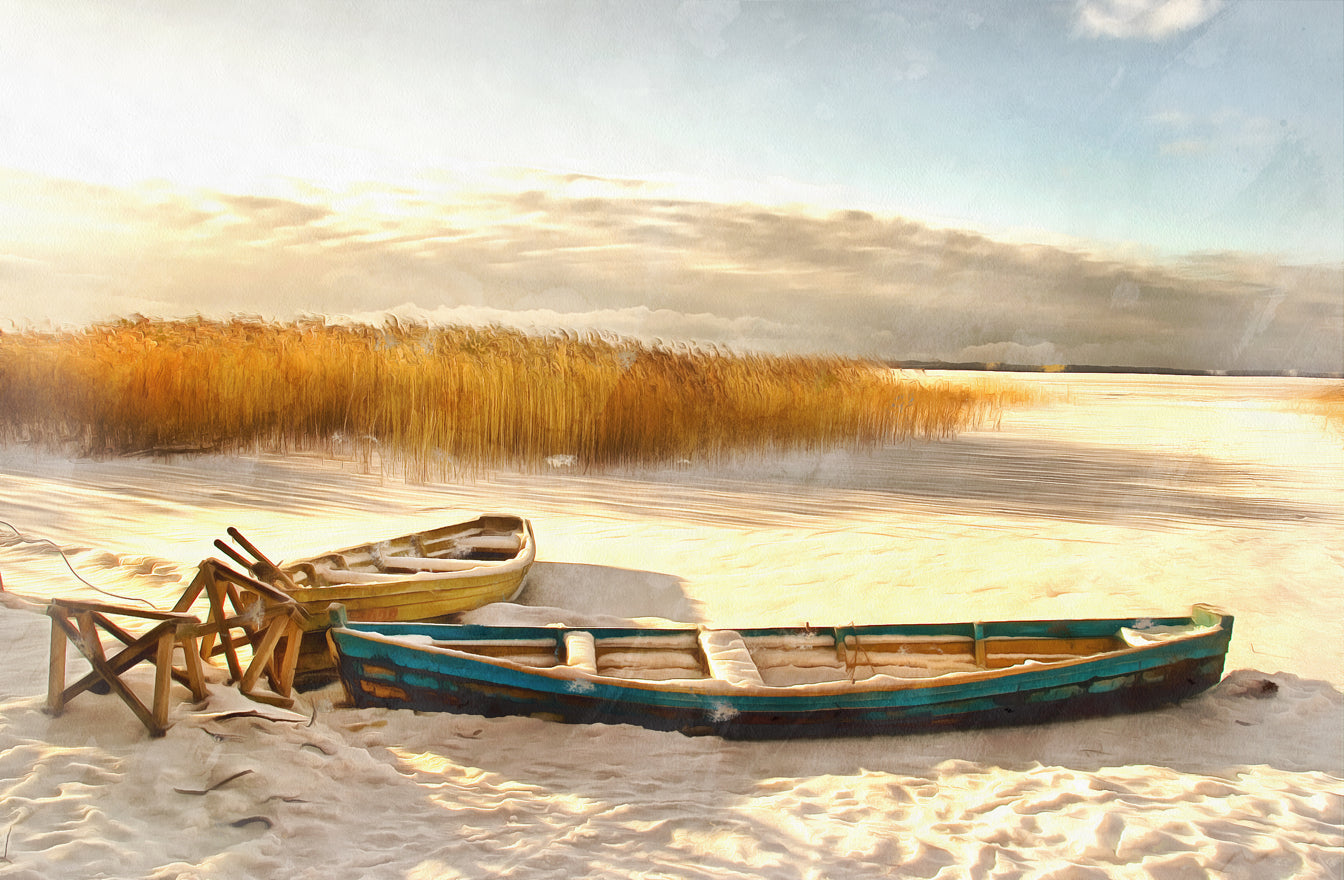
x,y
236,556
272,570
248,546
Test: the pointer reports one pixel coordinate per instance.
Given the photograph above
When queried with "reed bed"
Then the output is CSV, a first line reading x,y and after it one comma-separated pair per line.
x,y
429,398
1330,403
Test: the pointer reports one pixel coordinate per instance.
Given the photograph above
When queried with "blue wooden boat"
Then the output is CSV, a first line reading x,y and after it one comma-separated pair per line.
x,y
780,683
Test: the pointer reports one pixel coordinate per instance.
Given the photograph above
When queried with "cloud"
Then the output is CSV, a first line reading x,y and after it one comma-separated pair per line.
x,y
272,212
538,250
1142,19
1011,352
633,322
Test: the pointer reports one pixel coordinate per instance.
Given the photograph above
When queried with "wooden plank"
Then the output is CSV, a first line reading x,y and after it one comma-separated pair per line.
x,y
123,661
1081,646
128,657
581,651
271,699
72,634
885,645
223,572
426,563
79,606
189,596
158,643
234,555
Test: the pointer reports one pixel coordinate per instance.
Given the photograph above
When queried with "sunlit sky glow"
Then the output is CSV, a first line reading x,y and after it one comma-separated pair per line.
x,y
1130,180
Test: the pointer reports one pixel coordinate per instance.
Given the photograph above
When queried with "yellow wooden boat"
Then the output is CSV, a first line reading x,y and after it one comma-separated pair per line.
x,y
425,575
419,576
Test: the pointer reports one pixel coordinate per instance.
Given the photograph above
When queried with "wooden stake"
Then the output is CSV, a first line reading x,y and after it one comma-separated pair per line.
x,y
163,678
56,669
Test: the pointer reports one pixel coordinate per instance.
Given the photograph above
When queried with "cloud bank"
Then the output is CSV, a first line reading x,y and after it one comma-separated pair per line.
x,y
1143,19
543,250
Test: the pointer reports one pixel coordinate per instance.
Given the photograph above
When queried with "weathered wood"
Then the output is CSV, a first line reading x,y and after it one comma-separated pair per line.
x,y
261,655
266,616
56,667
163,679
92,649
251,584
77,605
123,661
426,563
267,620
1080,647
195,672
216,592
138,648
271,699
234,555
381,666
288,659
263,567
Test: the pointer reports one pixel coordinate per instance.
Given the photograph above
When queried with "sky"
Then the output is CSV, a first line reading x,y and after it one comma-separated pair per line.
x,y
1103,181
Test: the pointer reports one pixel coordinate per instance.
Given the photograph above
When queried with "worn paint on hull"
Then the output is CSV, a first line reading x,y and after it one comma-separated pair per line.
x,y
391,675
497,577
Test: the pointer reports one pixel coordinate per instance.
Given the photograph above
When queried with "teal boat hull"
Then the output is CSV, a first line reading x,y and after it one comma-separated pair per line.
x,y
381,670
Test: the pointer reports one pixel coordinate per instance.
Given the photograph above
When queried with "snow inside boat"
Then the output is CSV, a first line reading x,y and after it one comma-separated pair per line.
x,y
779,683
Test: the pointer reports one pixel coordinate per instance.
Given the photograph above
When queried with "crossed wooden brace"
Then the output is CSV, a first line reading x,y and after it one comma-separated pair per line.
x,y
269,619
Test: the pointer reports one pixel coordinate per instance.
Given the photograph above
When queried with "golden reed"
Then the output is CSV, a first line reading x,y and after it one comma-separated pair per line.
x,y
470,396
1329,403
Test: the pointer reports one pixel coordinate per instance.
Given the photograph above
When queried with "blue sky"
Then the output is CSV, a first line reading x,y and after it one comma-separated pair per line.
x,y
1158,133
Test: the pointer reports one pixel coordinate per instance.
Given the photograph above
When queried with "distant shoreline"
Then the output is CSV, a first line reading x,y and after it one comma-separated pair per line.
x,y
992,367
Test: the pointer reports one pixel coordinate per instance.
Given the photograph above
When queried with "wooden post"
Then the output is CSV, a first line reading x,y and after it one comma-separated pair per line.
x,y
218,613
195,672
289,659
56,669
978,632
163,677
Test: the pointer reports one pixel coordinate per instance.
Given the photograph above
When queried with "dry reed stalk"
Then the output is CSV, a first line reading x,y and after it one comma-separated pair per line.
x,y
435,398
1329,403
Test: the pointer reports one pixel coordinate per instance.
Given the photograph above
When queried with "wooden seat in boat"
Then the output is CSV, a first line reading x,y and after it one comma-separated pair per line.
x,y
729,659
581,651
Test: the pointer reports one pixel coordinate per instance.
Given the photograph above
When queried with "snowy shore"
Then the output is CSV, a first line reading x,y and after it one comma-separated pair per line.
x,y
1125,496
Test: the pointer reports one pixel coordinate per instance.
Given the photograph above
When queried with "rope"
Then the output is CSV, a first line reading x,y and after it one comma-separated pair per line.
x,y
28,539
853,666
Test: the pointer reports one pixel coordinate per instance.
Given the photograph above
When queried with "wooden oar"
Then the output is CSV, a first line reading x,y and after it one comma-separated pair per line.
x,y
272,570
237,557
